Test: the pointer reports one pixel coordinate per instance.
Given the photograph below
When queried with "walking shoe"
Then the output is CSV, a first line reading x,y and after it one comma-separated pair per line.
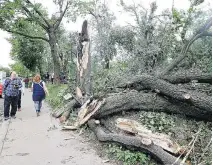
x,y
13,117
38,114
6,118
19,109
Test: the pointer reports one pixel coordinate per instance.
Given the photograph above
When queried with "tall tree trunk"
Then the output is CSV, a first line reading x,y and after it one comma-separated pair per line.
x,y
53,47
84,64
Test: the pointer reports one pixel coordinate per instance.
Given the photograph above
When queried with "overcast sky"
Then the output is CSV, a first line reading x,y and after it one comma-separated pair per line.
x,y
123,18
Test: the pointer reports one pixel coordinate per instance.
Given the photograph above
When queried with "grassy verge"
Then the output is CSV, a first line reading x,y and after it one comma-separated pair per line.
x,y
56,93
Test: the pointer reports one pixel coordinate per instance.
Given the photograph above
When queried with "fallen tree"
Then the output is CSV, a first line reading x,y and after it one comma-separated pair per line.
x,y
133,141
187,77
134,100
199,100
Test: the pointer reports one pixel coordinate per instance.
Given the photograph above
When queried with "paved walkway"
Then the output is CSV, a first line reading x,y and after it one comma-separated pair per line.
x,y
28,141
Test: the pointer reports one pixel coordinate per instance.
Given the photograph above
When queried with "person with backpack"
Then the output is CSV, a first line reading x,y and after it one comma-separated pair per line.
x,y
39,90
11,92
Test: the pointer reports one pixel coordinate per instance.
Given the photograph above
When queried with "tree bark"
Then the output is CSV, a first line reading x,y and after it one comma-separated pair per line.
x,y
186,78
66,113
134,100
199,100
157,152
54,53
84,63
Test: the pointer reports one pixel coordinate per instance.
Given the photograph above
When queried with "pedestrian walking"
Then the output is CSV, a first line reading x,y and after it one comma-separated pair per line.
x,y
47,77
26,80
39,90
52,78
21,92
11,92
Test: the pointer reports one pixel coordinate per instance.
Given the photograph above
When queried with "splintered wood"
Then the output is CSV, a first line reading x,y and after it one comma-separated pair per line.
x,y
87,110
147,136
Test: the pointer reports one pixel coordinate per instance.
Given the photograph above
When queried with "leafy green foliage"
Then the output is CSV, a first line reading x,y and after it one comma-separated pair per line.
x,y
128,157
157,122
56,93
29,52
79,8
20,69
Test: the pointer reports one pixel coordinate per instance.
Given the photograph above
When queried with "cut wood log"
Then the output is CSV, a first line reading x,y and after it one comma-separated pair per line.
x,y
83,110
58,113
90,114
147,136
157,152
85,113
199,100
186,78
134,100
69,107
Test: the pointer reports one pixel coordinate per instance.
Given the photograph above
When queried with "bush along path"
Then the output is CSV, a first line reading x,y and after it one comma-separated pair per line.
x,y
30,140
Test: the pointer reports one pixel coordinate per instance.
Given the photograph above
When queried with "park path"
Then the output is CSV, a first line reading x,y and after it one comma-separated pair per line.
x,y
29,142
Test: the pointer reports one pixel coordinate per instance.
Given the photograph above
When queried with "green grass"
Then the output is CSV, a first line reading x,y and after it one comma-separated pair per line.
x,y
56,93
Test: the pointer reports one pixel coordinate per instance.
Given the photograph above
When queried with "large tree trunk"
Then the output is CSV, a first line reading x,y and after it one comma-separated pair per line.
x,y
199,100
186,78
54,54
133,100
133,141
84,64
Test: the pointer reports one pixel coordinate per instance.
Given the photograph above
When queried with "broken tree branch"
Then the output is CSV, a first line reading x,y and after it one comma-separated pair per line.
x,y
133,141
187,77
200,33
38,12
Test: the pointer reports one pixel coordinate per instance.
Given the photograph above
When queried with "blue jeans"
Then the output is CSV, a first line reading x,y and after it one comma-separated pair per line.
x,y
37,105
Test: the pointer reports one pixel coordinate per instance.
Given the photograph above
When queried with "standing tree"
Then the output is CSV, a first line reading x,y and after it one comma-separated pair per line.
x,y
104,46
28,52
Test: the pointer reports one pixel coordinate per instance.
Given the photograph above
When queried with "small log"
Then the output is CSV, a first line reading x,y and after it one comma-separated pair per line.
x,y
83,110
157,152
69,107
62,110
86,118
85,113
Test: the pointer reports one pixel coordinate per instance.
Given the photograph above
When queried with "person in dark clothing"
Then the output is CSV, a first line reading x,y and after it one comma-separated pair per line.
x,y
47,77
52,78
39,91
26,82
21,92
11,91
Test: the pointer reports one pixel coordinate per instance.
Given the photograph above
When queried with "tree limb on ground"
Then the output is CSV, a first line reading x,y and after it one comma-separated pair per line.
x,y
199,100
187,77
134,100
157,152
